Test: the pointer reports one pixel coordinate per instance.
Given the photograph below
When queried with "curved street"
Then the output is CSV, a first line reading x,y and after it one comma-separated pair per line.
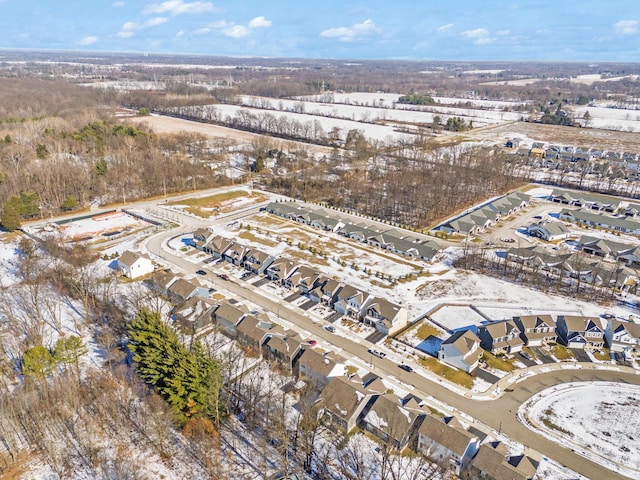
x,y
499,413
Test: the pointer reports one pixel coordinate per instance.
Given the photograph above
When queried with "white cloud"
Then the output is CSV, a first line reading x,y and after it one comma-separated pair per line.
x,y
118,4
626,27
128,29
444,28
178,7
152,22
220,24
477,33
236,31
348,34
201,31
180,33
90,40
259,22
480,36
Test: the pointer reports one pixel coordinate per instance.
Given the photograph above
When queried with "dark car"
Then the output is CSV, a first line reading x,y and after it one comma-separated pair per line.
x,y
223,276
406,368
201,272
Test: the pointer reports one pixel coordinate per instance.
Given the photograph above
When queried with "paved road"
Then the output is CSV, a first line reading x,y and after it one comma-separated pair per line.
x,y
500,414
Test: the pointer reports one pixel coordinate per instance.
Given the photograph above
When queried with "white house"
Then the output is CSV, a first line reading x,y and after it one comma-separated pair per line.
x,y
622,336
134,265
461,350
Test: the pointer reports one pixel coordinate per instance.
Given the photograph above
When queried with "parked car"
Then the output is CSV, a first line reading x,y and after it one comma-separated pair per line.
x,y
223,276
406,368
329,328
377,353
201,272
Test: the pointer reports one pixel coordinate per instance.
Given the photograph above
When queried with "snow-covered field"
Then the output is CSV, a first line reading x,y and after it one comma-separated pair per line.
x,y
610,118
599,420
378,132
101,227
401,112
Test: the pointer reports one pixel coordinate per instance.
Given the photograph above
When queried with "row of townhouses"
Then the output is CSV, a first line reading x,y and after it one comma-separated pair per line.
x,y
480,219
594,201
345,299
622,276
350,401
462,349
395,240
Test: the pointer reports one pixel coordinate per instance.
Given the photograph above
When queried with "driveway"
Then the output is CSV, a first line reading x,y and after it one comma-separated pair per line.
x,y
521,358
542,355
486,376
375,337
580,355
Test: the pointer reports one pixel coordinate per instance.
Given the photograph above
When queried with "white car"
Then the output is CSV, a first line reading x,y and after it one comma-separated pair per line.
x,y
377,353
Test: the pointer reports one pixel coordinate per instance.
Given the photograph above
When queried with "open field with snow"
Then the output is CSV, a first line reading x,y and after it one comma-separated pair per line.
x,y
617,141
598,420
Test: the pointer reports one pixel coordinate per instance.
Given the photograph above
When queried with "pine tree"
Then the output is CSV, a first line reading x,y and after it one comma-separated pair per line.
x,y
189,380
10,219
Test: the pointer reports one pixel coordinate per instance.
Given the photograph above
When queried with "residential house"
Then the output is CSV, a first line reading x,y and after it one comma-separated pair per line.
x,y
536,330
252,332
134,265
236,253
500,337
349,301
385,316
257,261
327,292
227,316
345,400
182,290
493,463
461,350
587,217
218,246
444,438
194,314
304,279
319,367
280,269
580,332
284,349
161,281
394,420
623,336
549,231
201,237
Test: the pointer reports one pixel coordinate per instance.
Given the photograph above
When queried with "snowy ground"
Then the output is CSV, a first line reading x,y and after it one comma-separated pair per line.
x,y
454,317
598,420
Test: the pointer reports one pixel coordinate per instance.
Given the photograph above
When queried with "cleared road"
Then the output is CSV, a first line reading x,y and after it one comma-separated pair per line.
x,y
499,414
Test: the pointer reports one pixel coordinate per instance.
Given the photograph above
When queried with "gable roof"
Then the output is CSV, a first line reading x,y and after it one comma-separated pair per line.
x,y
342,395
451,436
327,364
465,341
129,258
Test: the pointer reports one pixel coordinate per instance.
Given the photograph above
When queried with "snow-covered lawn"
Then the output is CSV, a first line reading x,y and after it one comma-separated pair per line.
x,y
453,317
599,420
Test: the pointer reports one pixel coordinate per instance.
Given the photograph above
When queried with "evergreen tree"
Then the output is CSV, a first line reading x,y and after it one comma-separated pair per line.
x,y
189,380
37,362
10,219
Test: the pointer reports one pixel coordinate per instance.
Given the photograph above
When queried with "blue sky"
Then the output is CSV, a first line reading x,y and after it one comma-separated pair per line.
x,y
555,30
